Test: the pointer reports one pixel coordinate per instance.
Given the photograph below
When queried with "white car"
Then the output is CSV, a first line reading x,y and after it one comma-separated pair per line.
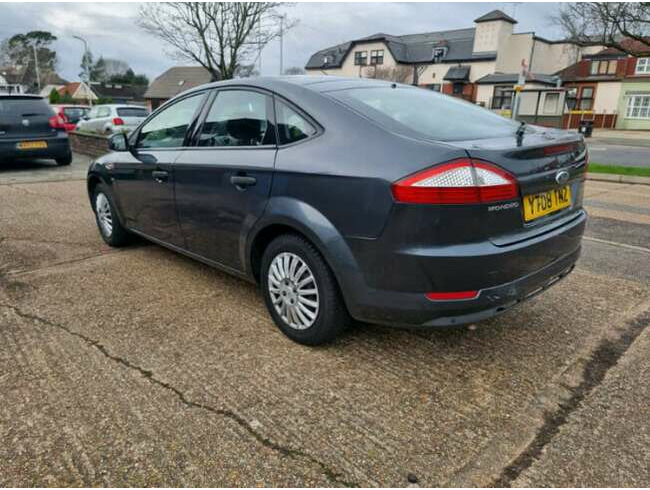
x,y
111,118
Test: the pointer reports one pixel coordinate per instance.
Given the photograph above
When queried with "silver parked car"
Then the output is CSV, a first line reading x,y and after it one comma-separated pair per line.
x,y
111,118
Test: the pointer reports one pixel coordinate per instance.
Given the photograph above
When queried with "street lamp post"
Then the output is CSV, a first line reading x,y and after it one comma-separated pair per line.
x,y
86,63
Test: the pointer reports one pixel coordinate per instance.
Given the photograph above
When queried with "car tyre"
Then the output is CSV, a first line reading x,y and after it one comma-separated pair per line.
x,y
108,222
318,313
66,160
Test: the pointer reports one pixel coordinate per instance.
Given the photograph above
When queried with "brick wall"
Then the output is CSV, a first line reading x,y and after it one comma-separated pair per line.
x,y
93,145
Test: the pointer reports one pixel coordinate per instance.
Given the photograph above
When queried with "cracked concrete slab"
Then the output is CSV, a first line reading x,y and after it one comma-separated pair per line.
x,y
144,366
605,442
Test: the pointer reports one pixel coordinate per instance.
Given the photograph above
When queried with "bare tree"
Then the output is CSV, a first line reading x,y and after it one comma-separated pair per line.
x,y
399,73
220,36
246,71
623,26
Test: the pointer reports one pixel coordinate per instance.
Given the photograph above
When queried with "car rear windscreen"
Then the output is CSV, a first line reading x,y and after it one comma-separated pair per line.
x,y
423,113
74,114
132,112
24,107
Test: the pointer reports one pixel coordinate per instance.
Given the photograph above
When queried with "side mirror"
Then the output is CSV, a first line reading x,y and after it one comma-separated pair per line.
x,y
118,142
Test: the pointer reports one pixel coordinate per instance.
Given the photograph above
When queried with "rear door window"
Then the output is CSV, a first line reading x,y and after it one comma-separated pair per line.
x,y
238,118
423,113
103,111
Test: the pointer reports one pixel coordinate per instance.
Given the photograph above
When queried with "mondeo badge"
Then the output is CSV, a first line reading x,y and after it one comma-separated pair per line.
x,y
562,177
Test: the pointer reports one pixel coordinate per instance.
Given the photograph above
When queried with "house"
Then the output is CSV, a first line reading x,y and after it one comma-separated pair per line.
x,y
51,81
120,93
609,88
542,98
79,92
174,81
47,89
11,80
450,61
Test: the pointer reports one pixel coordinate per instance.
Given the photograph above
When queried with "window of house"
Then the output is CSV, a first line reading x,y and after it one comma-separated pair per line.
x,y
436,87
168,128
377,57
457,88
586,99
238,118
603,67
361,58
502,98
611,67
551,103
439,53
292,126
643,65
638,107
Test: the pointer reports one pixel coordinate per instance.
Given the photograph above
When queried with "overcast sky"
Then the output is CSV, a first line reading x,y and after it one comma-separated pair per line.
x,y
111,30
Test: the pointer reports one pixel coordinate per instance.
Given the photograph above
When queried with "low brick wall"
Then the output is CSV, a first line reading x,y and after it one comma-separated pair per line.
x,y
90,144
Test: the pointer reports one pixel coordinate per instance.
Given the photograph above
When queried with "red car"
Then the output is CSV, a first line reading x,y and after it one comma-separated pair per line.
x,y
71,114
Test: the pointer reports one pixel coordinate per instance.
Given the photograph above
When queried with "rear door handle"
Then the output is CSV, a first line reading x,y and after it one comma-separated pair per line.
x,y
241,181
160,175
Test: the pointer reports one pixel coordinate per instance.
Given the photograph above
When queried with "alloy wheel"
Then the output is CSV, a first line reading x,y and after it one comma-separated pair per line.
x,y
103,210
293,290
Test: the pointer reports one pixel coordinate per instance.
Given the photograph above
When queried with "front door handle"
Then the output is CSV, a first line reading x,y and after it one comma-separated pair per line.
x,y
242,181
160,176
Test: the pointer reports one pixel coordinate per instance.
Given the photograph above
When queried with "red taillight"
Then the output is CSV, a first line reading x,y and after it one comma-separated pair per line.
x,y
118,121
462,181
453,296
56,122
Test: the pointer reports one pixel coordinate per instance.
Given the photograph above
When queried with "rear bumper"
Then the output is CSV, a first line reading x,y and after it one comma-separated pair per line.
x,y
561,248
58,147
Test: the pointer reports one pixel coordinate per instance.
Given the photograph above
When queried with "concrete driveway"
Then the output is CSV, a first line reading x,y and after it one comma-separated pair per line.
x,y
141,367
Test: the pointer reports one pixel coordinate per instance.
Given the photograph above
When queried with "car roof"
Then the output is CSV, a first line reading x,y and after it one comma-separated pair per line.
x,y
312,83
120,106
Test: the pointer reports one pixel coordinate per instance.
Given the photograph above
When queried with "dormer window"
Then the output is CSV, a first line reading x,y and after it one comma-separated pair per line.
x,y
643,66
439,53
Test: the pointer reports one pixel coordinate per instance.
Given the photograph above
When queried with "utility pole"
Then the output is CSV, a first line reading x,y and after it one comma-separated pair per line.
x,y
38,72
281,44
259,45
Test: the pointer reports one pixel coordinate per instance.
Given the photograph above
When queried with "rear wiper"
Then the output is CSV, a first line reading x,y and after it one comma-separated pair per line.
x,y
520,133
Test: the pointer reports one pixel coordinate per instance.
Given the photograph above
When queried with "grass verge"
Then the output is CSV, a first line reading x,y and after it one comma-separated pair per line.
x,y
601,168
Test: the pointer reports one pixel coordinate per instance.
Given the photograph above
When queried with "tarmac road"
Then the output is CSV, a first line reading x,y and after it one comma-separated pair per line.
x,y
627,156
141,367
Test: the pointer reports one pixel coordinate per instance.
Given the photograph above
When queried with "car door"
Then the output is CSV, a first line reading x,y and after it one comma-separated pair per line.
x,y
222,183
144,178
102,117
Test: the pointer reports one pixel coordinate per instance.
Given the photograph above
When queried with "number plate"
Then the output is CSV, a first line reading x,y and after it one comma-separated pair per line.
x,y
538,205
31,145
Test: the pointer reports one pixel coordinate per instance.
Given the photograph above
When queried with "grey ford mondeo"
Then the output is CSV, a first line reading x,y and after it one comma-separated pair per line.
x,y
350,199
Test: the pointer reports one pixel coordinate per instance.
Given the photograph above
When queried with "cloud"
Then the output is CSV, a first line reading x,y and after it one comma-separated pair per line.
x,y
111,31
